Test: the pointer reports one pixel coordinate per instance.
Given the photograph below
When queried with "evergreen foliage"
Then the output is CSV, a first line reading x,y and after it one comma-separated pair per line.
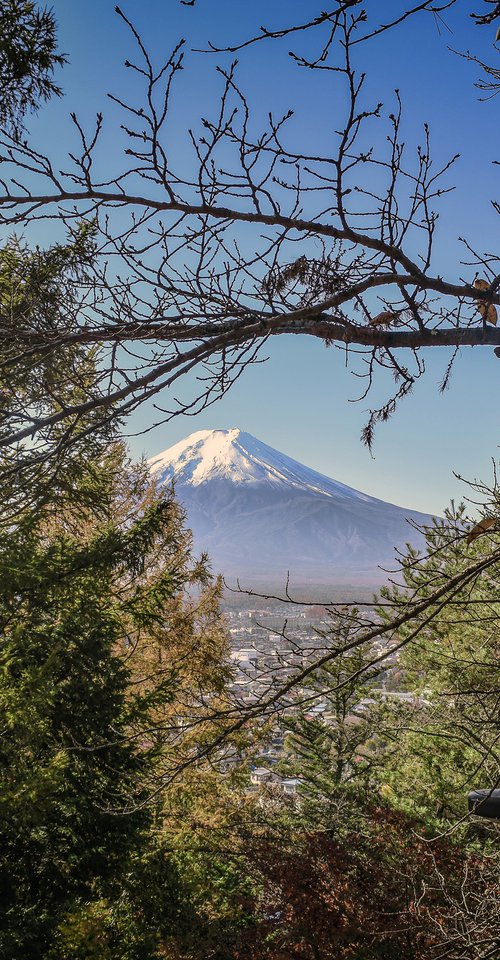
x,y
38,293
122,834
84,597
332,753
445,742
28,59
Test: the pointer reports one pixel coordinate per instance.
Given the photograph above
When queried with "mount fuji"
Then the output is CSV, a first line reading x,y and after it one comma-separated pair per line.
x,y
259,514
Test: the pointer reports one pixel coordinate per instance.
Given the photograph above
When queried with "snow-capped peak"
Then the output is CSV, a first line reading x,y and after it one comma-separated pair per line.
x,y
242,459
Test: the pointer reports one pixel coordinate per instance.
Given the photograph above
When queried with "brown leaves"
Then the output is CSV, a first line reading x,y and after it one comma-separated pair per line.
x,y
487,523
321,276
353,892
488,312
383,319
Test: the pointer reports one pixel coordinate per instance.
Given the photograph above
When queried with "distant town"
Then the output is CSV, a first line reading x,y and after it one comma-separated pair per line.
x,y
267,649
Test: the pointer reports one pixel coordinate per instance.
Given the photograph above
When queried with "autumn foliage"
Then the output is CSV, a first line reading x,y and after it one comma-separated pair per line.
x,y
380,890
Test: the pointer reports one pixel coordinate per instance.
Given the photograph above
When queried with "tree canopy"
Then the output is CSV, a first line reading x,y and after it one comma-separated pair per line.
x,y
112,647
28,60
257,235
130,829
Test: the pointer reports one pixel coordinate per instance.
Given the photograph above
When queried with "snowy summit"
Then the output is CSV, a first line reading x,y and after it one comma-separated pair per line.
x,y
260,514
239,457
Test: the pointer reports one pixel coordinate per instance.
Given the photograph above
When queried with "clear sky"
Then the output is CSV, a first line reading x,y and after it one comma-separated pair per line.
x,y
298,401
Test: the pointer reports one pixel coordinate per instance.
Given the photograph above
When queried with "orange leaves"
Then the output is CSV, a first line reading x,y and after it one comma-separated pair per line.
x,y
383,319
487,523
487,311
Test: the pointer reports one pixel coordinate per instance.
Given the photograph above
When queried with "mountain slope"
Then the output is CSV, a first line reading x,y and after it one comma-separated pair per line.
x,y
259,514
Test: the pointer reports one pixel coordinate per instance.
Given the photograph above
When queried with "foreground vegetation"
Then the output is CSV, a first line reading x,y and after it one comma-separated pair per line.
x,y
118,842
127,827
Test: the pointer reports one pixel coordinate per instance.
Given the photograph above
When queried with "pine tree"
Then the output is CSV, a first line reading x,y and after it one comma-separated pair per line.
x,y
39,294
28,59
333,753
86,593
446,742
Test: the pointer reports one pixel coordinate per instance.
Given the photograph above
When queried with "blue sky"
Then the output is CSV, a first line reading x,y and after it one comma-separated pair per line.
x,y
299,400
